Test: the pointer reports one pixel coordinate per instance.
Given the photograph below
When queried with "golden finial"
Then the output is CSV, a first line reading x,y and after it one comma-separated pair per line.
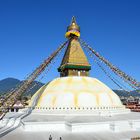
x,y
73,21
73,29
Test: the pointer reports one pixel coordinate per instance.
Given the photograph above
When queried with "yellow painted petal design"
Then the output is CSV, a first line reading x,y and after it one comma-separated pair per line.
x,y
76,92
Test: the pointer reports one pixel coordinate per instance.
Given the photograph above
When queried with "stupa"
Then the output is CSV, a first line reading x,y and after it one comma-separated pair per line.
x,y
75,92
74,105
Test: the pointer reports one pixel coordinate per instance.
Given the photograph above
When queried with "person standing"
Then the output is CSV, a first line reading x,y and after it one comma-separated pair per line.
x,y
50,138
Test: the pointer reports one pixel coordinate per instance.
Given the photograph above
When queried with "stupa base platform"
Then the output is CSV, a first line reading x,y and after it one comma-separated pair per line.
x,y
117,126
117,123
77,127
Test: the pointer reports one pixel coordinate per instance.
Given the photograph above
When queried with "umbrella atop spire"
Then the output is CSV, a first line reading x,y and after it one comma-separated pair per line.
x,y
73,29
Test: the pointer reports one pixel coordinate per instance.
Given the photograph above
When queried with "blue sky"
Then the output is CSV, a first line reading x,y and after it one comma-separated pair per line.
x,y
30,30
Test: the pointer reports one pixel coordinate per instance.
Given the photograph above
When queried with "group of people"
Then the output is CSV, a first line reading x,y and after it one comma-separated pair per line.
x,y
50,138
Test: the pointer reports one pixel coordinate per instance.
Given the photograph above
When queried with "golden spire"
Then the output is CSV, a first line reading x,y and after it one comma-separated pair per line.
x,y
74,62
73,29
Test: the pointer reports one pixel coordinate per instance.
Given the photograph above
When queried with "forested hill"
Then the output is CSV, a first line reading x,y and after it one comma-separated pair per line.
x,y
9,83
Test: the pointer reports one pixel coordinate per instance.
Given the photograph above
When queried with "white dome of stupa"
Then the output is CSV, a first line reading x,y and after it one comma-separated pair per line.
x,y
76,92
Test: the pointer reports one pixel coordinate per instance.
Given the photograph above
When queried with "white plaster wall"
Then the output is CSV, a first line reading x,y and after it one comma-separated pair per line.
x,y
120,126
114,126
64,100
90,127
87,99
46,126
105,99
135,125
